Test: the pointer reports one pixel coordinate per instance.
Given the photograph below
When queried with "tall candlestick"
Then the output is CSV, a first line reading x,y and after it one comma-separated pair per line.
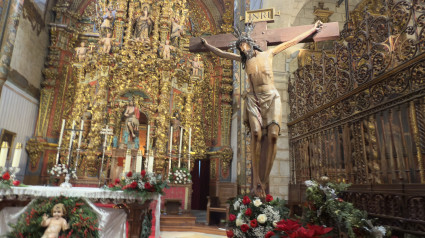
x,y
17,155
71,138
60,141
81,134
190,141
79,145
139,162
180,146
171,148
3,154
127,161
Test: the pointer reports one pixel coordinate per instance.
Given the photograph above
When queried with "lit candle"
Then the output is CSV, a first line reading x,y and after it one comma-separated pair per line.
x,y
190,141
61,134
180,146
139,162
81,134
17,155
127,161
3,154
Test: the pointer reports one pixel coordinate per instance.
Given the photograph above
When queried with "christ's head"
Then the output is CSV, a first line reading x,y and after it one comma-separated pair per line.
x,y
247,48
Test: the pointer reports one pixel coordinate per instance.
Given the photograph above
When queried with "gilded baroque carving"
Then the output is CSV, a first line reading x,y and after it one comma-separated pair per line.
x,y
35,150
226,156
357,109
46,100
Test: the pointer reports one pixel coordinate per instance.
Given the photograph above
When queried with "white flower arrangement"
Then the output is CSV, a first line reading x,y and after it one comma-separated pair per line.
x,y
262,218
257,202
60,169
253,217
180,176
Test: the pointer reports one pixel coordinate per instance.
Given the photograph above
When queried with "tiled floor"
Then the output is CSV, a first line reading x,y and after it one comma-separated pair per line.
x,y
175,234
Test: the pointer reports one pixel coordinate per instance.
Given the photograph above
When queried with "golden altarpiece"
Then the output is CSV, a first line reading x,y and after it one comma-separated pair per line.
x,y
125,65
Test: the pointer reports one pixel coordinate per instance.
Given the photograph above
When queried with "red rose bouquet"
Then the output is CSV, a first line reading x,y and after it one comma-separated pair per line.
x,y
141,184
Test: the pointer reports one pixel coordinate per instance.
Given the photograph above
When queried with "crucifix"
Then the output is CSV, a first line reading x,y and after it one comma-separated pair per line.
x,y
106,132
263,108
264,37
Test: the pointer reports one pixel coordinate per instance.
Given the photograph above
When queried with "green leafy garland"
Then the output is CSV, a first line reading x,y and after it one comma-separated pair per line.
x,y
146,225
325,207
82,220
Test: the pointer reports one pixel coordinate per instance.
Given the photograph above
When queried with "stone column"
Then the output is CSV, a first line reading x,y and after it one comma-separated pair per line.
x,y
14,11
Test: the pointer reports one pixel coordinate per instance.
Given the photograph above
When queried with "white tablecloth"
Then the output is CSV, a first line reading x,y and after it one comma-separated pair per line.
x,y
90,194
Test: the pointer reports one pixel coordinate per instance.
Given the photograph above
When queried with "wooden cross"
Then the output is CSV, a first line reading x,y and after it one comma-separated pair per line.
x,y
264,37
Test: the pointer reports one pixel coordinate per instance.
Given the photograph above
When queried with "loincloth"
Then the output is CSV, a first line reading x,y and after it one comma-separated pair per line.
x,y
267,110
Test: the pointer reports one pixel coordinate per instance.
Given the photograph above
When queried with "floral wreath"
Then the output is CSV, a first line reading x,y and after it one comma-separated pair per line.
x,y
82,220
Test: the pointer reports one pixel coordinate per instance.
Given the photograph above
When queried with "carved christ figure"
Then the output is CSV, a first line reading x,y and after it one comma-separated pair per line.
x,y
263,105
132,115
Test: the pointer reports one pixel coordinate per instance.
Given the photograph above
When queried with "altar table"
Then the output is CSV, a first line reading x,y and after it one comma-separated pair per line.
x,y
134,206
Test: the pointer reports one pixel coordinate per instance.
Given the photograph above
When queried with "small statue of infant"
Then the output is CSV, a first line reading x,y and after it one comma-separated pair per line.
x,y
56,223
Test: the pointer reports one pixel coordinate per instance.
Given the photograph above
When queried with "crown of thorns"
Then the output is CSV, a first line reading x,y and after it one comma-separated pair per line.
x,y
243,37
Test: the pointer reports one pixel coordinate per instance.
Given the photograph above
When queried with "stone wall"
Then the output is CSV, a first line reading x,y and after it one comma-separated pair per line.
x,y
30,52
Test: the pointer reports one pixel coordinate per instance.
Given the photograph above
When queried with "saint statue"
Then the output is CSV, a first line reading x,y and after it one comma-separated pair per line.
x,y
132,115
263,103
143,26
176,28
108,19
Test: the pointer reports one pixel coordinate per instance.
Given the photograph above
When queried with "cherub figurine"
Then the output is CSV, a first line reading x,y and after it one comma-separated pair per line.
x,y
167,49
197,66
81,51
56,223
107,43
